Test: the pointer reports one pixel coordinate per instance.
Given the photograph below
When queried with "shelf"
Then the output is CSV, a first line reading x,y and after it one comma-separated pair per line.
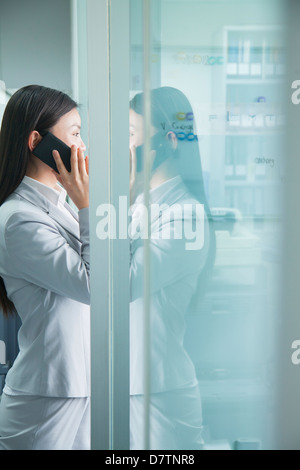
x,y
249,118
251,184
255,81
243,133
254,28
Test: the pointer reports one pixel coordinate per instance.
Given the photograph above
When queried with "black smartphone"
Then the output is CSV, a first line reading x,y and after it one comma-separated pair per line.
x,y
158,143
45,148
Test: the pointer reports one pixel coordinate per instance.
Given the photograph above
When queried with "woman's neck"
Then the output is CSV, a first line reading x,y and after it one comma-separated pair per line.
x,y
41,172
163,173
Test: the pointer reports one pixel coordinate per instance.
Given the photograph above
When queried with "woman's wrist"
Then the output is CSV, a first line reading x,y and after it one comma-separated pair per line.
x,y
84,206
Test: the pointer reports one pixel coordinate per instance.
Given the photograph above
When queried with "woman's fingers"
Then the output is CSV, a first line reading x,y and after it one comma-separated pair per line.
x,y
81,162
76,182
87,168
59,164
74,161
132,165
133,159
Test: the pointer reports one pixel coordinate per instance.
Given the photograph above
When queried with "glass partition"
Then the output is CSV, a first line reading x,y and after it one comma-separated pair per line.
x,y
202,132
207,165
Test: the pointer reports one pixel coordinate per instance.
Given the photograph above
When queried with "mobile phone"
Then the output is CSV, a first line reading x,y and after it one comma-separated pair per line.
x,y
45,148
158,143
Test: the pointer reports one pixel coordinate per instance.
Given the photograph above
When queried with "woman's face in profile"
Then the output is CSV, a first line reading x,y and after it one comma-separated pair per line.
x,y
68,128
136,129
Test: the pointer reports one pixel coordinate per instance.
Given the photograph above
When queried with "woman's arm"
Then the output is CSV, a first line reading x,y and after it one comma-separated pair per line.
x,y
38,253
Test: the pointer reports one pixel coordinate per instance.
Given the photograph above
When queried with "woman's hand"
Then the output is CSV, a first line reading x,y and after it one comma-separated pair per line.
x,y
76,183
132,168
135,180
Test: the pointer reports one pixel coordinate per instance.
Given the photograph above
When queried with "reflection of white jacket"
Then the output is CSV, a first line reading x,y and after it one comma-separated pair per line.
x,y
44,261
174,272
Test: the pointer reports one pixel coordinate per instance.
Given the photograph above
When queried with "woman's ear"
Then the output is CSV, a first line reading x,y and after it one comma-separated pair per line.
x,y
172,137
34,139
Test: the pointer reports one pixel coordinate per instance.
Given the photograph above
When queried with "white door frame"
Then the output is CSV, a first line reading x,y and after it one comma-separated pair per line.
x,y
108,109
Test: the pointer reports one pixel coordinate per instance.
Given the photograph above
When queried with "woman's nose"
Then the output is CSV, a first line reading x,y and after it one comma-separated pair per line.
x,y
82,146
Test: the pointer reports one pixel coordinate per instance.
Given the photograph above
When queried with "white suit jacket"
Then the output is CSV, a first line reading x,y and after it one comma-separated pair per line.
x,y
44,262
174,273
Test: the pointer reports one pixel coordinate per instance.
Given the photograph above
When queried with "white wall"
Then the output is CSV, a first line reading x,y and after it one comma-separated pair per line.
x,y
35,43
191,22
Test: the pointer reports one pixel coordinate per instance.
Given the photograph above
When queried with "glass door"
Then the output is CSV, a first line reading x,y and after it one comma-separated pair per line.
x,y
207,166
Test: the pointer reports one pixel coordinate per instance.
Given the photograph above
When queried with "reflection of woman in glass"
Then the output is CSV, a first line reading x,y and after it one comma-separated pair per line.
x,y
178,271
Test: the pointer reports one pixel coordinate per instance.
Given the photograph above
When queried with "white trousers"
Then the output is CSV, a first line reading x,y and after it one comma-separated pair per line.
x,y
175,420
40,423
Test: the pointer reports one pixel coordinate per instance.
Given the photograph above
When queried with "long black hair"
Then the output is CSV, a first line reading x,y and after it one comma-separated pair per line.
x,y
33,107
171,111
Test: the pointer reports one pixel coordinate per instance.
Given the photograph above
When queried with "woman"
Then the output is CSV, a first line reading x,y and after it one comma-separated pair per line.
x,y
44,269
179,268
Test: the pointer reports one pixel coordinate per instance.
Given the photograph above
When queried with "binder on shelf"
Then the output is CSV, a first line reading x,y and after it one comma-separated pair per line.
x,y
269,62
279,62
232,63
229,163
240,167
256,62
240,159
244,64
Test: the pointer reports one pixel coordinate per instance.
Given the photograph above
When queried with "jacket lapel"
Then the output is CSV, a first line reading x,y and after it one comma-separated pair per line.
x,y
37,199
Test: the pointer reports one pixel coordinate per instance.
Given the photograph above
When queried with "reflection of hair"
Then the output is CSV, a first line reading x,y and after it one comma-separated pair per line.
x,y
169,108
31,108
167,104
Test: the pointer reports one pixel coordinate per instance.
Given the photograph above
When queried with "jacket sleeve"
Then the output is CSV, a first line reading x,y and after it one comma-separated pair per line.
x,y
38,253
